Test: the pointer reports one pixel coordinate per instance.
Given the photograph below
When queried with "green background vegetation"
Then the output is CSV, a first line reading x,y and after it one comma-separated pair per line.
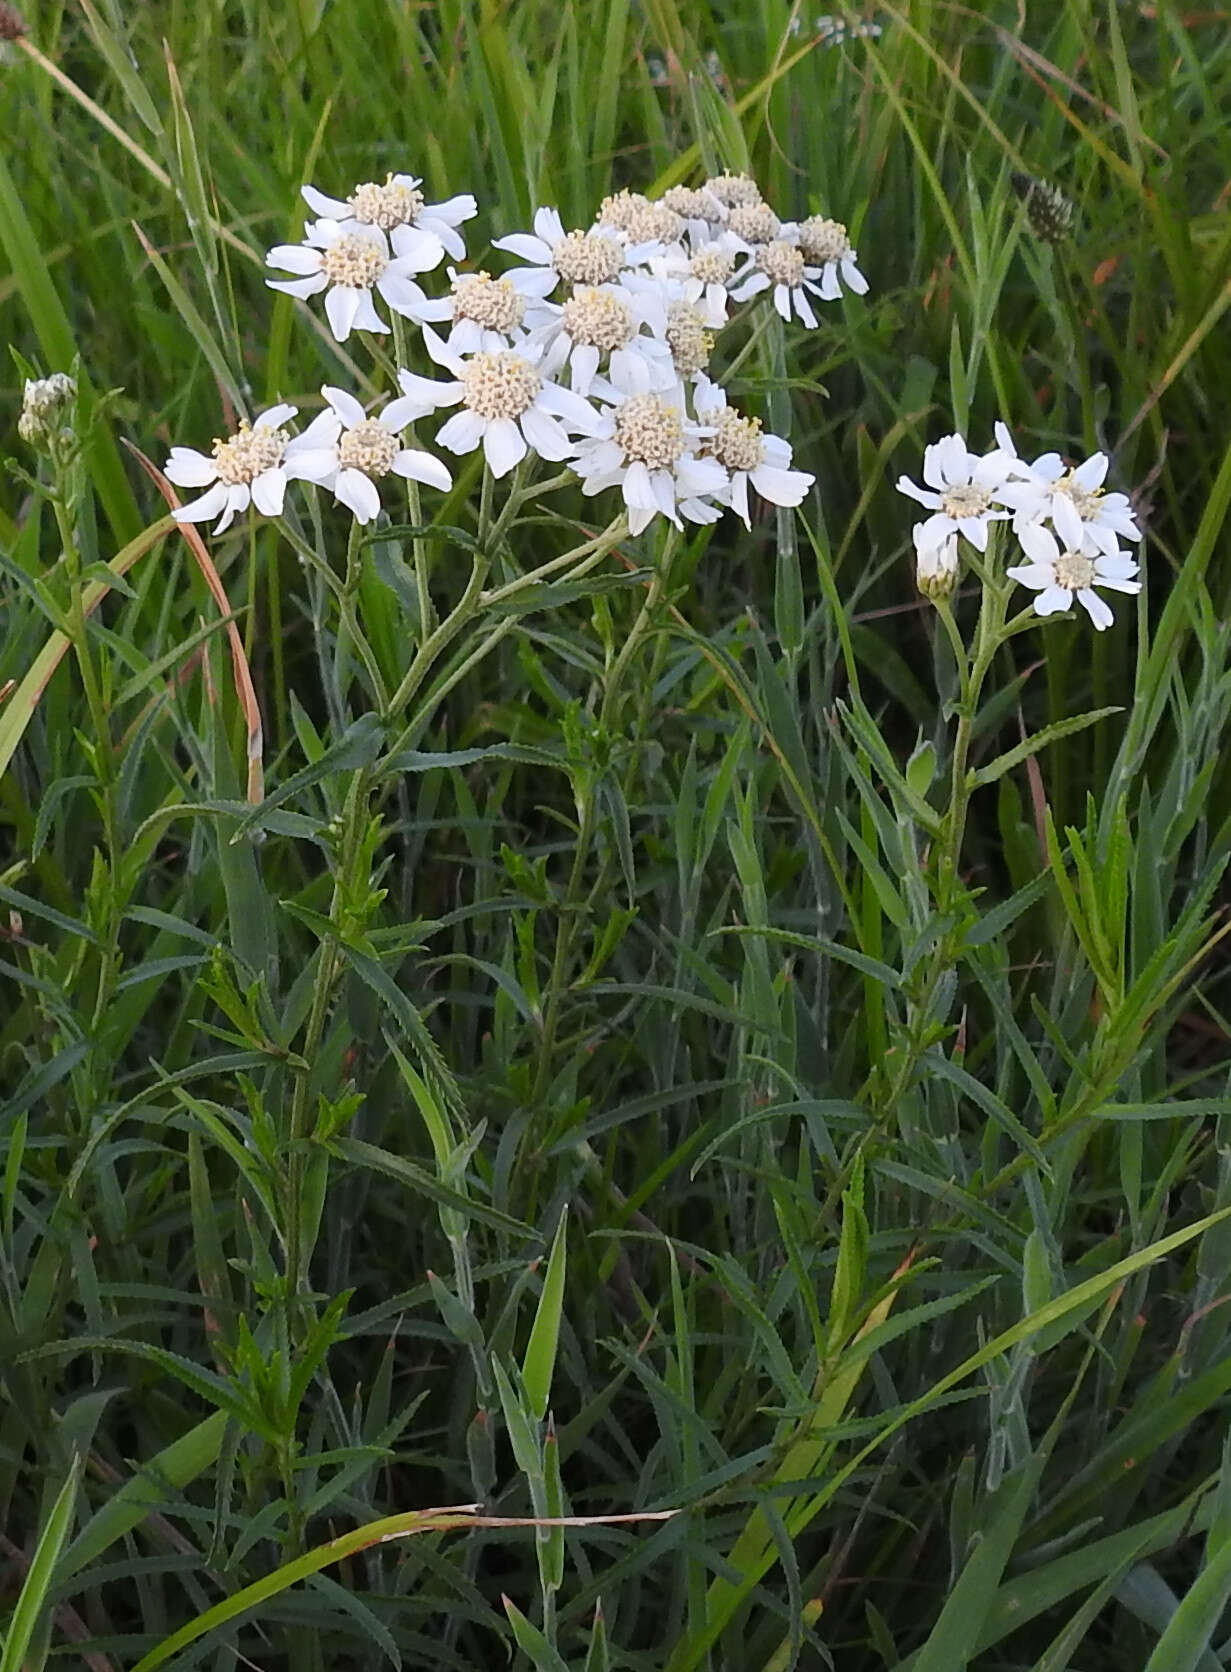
x,y
890,1249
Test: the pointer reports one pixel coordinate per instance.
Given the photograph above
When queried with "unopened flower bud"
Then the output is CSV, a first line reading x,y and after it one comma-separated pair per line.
x,y
12,24
936,566
1048,211
45,407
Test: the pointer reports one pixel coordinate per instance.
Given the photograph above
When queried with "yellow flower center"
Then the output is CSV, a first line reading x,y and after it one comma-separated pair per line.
x,y
386,206
737,442
370,446
354,260
755,223
650,431
823,240
499,385
781,262
587,258
597,318
1074,571
243,456
491,303
690,342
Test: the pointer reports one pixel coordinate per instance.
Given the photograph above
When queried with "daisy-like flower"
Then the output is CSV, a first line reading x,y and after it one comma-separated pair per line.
x,y
348,452
508,406
731,190
348,261
251,467
1059,576
487,313
825,245
638,220
596,326
398,208
1084,516
700,275
754,223
747,454
587,258
650,450
782,266
961,489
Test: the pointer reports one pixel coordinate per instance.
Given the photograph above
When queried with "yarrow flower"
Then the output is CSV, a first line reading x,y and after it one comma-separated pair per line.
x,y
348,452
597,326
251,467
508,406
747,454
824,244
46,403
348,261
398,208
638,219
1058,576
780,266
1083,515
961,492
554,255
487,313
649,448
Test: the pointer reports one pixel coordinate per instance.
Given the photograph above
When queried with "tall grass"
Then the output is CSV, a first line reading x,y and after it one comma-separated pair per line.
x,y
627,1117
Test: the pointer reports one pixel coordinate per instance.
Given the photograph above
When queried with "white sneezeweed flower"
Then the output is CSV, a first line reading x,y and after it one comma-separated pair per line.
x,y
251,467
747,454
1084,516
398,208
348,262
825,245
588,258
650,450
754,223
731,190
1059,576
348,452
960,490
487,313
780,264
639,221
508,406
596,326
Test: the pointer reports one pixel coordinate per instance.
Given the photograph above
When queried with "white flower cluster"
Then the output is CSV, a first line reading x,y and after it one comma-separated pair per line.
x,y
1069,529
593,351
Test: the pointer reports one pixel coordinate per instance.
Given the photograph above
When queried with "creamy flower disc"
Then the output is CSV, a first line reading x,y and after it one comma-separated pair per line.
x,y
691,344
825,245
650,430
395,203
641,221
599,319
737,441
694,203
782,263
754,222
732,190
397,207
491,303
712,263
499,385
249,453
354,260
587,258
370,446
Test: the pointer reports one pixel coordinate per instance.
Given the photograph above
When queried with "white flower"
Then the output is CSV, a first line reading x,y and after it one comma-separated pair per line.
x,y
696,204
825,245
731,190
251,467
398,208
1057,576
348,261
487,313
1085,518
650,450
348,452
586,258
507,405
747,454
753,223
599,324
640,223
960,490
780,264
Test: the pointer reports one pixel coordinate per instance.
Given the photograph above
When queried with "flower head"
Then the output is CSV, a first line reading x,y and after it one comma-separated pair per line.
x,y
731,190
46,405
961,492
348,452
780,266
747,454
348,261
638,219
1058,576
487,313
753,223
825,245
936,565
398,208
508,406
585,258
1083,515
597,325
649,449
251,467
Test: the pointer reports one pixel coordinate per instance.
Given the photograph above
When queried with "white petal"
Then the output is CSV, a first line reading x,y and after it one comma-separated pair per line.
x,y
201,510
238,499
781,487
276,416
341,308
367,318
422,250
503,446
331,206
189,469
548,225
426,395
358,493
975,530
782,302
1039,543
1068,521
576,412
638,489
301,289
1037,576
854,278
345,405
462,433
1052,600
310,464
582,368
1092,473
1098,609
739,497
399,412
920,495
527,247
462,207
269,491
294,258
423,467
323,431
545,434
